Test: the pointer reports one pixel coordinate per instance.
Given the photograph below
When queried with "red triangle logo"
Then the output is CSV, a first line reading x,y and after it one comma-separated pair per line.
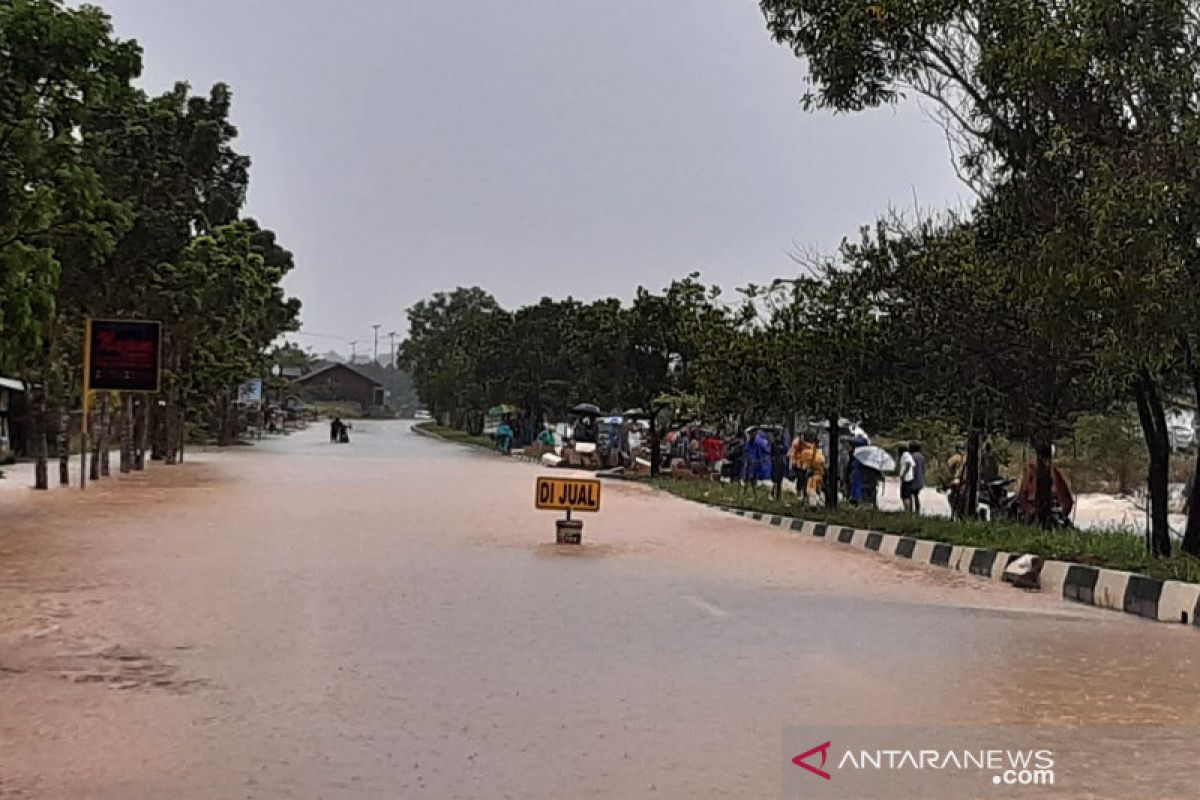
x,y
823,749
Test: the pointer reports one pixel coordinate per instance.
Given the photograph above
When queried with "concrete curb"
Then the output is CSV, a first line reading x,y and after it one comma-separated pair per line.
x,y
981,563
1149,598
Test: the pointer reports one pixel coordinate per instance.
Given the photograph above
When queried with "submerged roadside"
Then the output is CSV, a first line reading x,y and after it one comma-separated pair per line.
x,y
1118,551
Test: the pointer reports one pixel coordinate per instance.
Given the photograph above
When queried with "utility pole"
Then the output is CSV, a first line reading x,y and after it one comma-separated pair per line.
x,y
353,350
392,348
376,356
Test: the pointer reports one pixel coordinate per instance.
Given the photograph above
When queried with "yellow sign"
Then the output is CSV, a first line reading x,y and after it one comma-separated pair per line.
x,y
567,494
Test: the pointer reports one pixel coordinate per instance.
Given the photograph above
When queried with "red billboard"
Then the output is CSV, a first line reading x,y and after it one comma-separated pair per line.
x,y
123,355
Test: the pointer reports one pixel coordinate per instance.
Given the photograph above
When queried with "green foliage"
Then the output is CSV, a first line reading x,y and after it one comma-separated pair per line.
x,y
1110,453
59,68
116,204
1077,124
466,353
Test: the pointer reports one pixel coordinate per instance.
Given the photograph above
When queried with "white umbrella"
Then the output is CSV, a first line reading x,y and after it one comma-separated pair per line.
x,y
875,458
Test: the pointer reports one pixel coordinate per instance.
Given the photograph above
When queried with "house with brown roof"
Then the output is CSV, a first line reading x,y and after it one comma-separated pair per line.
x,y
341,383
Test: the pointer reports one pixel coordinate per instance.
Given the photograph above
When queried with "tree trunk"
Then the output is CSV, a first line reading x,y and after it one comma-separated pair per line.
x,y
225,421
1043,449
1158,446
63,444
106,419
157,430
832,470
99,439
171,453
142,434
41,472
655,450
971,511
95,425
222,425
180,433
126,434
176,432
85,439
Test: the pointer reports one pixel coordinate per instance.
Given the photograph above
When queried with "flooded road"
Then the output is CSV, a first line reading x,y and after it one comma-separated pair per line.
x,y
386,619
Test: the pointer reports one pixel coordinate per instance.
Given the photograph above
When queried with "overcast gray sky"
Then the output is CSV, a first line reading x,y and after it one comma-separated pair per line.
x,y
534,147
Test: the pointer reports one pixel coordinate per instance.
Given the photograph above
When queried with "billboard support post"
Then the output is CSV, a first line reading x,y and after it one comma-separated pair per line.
x,y
83,420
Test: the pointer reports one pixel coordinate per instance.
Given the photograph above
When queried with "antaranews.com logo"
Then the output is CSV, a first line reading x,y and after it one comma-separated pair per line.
x,y
955,762
1008,767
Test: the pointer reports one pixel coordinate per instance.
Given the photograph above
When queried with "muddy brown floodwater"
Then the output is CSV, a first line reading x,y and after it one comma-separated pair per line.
x,y
385,619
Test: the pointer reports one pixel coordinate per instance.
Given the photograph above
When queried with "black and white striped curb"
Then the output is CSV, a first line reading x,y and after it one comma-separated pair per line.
x,y
1164,601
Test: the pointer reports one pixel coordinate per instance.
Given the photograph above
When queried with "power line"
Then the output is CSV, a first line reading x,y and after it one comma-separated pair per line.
x,y
318,335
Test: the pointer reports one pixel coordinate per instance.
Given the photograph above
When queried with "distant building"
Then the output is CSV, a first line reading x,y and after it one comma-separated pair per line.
x,y
341,382
11,398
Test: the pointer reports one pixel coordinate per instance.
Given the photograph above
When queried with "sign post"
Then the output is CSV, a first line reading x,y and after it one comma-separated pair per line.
x,y
567,494
87,393
118,356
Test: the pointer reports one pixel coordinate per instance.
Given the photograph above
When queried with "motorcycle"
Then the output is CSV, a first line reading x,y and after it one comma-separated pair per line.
x,y
995,502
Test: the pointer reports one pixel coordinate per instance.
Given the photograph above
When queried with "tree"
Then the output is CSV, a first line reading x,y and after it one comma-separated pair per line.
x,y
59,69
1051,110
664,338
442,350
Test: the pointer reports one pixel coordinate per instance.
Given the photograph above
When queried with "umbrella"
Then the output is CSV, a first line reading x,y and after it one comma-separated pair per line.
x,y
500,410
843,424
587,410
875,458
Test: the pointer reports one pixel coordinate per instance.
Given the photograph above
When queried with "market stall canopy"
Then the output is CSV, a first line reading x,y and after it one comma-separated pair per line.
x,y
13,385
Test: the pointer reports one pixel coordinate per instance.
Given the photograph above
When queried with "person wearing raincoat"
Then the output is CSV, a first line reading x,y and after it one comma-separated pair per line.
x,y
816,474
504,437
801,457
758,458
779,463
857,473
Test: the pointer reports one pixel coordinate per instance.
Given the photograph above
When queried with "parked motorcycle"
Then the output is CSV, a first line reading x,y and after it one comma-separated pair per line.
x,y
996,502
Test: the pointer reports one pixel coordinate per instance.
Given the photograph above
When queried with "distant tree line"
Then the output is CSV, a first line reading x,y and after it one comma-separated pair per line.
x,y
116,203
1071,287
